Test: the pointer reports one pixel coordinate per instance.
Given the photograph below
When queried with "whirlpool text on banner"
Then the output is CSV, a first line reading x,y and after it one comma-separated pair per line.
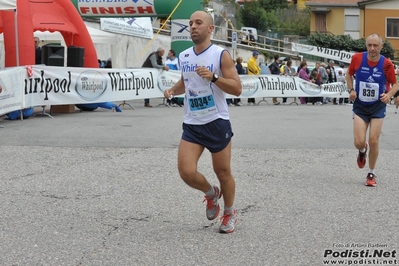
x,y
282,86
48,85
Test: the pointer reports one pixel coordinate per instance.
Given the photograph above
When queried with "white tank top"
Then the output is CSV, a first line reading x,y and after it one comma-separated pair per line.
x,y
204,102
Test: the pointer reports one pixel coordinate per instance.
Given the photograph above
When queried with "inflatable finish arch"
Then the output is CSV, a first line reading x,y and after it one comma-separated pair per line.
x,y
180,33
51,15
62,16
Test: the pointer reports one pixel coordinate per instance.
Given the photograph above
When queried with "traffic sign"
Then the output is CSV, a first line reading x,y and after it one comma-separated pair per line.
x,y
234,40
234,36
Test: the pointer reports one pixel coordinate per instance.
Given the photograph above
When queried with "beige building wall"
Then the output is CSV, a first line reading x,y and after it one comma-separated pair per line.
x,y
336,21
312,22
376,22
361,26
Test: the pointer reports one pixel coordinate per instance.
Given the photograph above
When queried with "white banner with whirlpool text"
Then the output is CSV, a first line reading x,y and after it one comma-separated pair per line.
x,y
338,55
11,93
49,85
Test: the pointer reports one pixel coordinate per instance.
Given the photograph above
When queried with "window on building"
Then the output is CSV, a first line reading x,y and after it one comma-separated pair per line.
x,y
392,27
351,23
321,24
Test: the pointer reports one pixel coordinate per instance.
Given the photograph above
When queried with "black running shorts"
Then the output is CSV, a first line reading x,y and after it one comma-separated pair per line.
x,y
214,136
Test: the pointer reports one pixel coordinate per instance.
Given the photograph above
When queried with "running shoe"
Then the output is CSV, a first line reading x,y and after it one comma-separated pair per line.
x,y
229,221
361,157
212,205
370,182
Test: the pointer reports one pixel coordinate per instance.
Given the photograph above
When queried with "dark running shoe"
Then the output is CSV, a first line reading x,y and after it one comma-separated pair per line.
x,y
361,157
370,182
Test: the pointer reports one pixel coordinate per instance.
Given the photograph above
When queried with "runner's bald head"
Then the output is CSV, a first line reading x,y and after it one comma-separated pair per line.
x,y
204,16
375,35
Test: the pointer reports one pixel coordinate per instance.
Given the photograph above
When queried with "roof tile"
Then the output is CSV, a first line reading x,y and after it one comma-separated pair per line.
x,y
333,2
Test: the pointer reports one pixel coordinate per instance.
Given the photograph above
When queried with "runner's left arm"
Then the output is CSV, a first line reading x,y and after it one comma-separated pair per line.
x,y
230,81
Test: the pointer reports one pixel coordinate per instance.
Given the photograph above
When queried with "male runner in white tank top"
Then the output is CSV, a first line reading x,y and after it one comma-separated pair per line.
x,y
208,73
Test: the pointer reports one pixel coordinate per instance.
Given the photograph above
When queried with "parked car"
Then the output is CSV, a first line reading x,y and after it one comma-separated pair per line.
x,y
245,33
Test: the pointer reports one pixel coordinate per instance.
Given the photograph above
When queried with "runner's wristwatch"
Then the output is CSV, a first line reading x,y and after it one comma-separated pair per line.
x,y
215,77
350,90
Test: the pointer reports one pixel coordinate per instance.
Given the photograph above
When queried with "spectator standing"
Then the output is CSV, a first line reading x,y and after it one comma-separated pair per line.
x,y
253,69
303,74
341,78
332,77
275,70
154,60
318,75
323,73
251,37
289,71
108,64
315,75
282,67
173,63
240,71
38,52
372,71
342,68
206,118
324,78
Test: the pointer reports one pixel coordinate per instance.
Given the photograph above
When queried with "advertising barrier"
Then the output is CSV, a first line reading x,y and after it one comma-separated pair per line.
x,y
37,85
11,95
338,55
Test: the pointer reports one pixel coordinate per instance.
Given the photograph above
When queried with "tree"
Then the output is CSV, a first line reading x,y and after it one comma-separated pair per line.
x,y
293,21
271,5
253,15
277,16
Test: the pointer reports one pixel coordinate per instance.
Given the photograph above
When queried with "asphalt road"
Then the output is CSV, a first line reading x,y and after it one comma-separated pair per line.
x,y
102,188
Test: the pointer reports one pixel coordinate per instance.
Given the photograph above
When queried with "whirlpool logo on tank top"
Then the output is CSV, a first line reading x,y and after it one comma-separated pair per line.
x,y
192,93
376,73
186,67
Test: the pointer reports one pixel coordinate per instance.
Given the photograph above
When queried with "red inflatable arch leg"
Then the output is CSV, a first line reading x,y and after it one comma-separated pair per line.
x,y
26,44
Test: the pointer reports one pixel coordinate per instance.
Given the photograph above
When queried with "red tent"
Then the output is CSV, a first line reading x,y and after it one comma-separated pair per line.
x,y
32,15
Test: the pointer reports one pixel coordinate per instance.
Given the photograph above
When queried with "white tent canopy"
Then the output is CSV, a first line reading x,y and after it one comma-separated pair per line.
x,y
8,4
97,36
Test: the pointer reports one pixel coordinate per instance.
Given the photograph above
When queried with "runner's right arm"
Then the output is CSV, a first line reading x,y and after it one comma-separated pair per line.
x,y
177,89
